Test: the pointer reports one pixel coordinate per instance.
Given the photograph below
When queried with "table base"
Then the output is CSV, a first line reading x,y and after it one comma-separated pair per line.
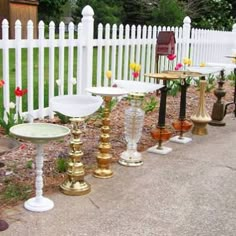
x,y
164,150
75,189
182,140
130,159
39,204
103,173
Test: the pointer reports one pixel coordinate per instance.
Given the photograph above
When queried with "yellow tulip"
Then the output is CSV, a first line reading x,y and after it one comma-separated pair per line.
x,y
187,61
202,64
109,74
132,66
137,68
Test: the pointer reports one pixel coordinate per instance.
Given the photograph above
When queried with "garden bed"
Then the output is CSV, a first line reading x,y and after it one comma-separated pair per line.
x,y
17,177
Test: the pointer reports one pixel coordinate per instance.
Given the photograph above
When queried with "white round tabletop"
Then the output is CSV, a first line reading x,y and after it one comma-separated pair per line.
x,y
39,132
107,91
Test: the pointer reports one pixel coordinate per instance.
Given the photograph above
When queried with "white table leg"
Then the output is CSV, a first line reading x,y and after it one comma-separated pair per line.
x,y
39,203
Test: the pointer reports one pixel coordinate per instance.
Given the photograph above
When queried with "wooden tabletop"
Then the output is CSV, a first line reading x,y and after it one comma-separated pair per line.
x,y
173,75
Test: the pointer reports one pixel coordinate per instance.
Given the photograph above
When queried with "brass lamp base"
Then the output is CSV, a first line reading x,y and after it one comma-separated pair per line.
x,y
103,173
75,188
200,129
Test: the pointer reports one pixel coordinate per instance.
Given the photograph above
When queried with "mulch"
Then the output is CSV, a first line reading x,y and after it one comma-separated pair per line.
x,y
18,169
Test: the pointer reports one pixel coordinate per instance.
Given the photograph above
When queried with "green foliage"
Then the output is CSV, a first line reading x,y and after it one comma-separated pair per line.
x,y
231,77
211,82
29,164
51,10
16,191
168,13
149,104
12,119
215,14
61,164
105,11
174,88
63,118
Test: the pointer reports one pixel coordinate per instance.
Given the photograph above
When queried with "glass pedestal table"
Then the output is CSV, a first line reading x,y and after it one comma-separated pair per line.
x,y
78,107
39,134
104,156
134,117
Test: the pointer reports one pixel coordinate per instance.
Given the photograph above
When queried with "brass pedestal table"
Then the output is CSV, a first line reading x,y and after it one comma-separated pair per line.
x,y
134,116
104,156
39,134
201,117
77,107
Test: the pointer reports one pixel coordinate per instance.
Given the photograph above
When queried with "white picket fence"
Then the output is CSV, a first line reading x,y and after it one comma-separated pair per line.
x,y
86,59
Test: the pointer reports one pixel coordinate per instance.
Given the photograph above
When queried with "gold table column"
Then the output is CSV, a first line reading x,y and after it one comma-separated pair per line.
x,y
104,156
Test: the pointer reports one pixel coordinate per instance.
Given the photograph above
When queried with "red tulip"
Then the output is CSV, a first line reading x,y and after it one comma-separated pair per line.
x,y
178,66
171,57
135,74
2,82
20,92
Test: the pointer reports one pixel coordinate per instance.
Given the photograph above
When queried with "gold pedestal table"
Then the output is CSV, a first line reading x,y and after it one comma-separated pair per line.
x,y
104,156
39,134
77,107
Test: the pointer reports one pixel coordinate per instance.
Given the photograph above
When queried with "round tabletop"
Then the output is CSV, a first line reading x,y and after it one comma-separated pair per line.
x,y
39,132
76,105
107,91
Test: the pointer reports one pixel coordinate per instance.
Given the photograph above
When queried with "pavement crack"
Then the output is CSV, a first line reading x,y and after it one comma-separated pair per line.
x,y
94,203
231,168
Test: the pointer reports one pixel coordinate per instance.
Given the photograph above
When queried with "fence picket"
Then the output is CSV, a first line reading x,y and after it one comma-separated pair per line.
x,y
115,51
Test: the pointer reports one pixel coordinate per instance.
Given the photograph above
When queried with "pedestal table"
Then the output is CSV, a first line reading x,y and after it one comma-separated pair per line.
x,y
39,134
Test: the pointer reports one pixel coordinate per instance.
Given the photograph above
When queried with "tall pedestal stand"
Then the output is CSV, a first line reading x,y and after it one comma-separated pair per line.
x,y
39,134
218,111
201,118
104,156
134,117
182,125
75,184
161,133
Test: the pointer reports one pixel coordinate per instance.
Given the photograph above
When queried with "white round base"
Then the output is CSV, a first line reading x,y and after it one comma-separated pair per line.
x,y
39,205
162,151
182,140
129,158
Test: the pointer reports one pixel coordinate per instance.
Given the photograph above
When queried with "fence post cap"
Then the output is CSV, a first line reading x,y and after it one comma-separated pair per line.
x,y
187,20
234,27
87,11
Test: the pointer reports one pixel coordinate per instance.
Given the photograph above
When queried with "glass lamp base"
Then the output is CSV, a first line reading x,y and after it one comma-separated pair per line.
x,y
163,150
131,159
39,205
178,139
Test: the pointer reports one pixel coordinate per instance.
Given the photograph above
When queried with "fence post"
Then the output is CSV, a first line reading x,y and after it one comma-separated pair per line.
x,y
87,52
5,66
234,36
186,36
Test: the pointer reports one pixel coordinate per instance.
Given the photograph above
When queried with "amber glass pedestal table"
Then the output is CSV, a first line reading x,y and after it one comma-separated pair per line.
x,y
104,156
161,133
39,134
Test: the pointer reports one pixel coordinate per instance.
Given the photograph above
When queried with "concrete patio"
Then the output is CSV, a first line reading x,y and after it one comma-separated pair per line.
x,y
190,191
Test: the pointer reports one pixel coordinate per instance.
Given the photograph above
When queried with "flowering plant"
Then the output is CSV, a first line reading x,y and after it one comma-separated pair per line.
x,y
136,69
13,117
